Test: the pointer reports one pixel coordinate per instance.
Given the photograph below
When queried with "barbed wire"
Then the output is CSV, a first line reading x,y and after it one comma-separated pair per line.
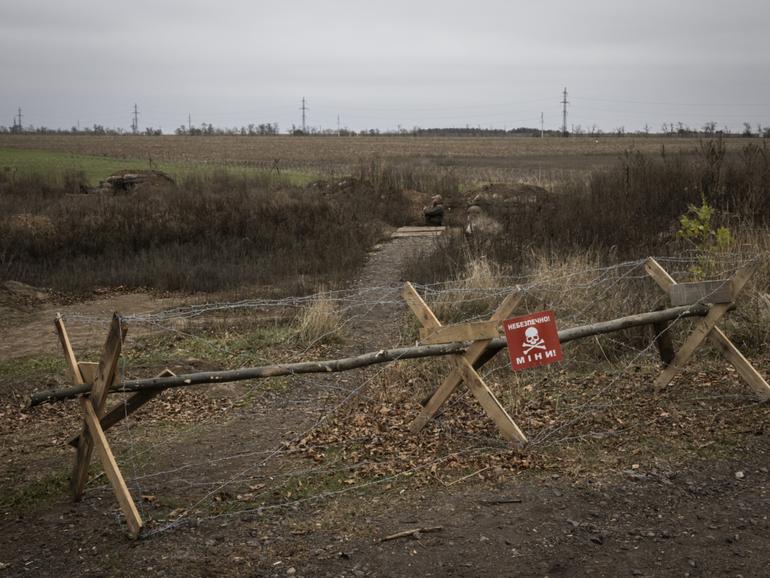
x,y
438,293
355,305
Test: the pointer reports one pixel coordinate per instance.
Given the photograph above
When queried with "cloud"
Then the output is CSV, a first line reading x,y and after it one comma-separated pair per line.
x,y
382,63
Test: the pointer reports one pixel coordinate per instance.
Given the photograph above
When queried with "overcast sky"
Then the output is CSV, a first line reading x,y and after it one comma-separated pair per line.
x,y
386,63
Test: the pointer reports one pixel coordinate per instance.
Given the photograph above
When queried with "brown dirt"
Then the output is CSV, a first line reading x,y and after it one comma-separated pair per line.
x,y
28,329
627,515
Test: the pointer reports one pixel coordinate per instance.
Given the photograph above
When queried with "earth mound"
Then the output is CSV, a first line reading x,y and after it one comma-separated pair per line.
x,y
126,181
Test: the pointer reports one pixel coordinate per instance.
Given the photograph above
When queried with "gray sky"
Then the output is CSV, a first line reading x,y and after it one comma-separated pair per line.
x,y
385,63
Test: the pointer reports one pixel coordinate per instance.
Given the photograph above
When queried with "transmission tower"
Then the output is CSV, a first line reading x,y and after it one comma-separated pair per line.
x,y
303,108
18,124
564,113
135,121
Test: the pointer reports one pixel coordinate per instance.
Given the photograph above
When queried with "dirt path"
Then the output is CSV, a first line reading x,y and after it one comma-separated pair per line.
x,y
30,331
377,325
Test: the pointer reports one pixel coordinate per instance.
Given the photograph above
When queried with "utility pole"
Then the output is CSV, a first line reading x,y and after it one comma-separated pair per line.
x,y
564,113
189,123
541,125
338,125
135,121
303,108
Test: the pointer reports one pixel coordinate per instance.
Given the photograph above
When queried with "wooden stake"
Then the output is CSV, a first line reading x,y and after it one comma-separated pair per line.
x,y
474,352
489,402
714,334
123,409
98,396
419,307
661,334
111,469
69,354
741,364
461,332
698,335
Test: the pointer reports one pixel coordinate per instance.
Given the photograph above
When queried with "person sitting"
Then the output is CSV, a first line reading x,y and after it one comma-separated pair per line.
x,y
434,215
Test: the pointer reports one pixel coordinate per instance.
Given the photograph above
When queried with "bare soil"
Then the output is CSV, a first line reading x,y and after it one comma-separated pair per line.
x,y
191,455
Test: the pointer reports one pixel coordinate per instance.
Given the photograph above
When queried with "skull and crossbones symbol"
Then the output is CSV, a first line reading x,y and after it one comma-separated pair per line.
x,y
532,340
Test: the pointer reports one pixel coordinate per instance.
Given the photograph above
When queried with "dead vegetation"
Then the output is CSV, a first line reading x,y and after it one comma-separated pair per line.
x,y
594,417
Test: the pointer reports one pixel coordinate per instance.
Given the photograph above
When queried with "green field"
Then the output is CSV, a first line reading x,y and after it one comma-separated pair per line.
x,y
97,168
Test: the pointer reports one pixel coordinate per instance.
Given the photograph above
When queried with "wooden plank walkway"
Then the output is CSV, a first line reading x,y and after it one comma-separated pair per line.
x,y
418,232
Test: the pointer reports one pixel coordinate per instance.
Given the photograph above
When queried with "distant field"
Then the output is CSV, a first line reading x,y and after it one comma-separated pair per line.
x,y
97,167
489,158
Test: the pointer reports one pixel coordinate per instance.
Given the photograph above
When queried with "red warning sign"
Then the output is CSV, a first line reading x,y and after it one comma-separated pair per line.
x,y
533,340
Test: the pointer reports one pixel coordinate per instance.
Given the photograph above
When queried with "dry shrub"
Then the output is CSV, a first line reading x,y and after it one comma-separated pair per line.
x,y
475,292
320,321
216,231
34,226
749,325
581,290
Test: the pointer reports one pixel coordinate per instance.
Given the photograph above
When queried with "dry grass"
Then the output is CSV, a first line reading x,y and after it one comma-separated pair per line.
x,y
544,161
319,322
473,293
215,231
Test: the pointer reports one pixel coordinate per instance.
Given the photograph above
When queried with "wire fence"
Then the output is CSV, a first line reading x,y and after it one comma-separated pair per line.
x,y
306,443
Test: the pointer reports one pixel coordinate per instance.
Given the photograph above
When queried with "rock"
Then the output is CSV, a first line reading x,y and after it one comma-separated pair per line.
x,y
739,475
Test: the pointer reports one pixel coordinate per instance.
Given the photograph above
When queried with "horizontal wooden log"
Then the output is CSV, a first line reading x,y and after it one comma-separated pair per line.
x,y
348,363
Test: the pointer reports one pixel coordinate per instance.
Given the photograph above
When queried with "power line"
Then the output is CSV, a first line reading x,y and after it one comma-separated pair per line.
x,y
662,103
564,103
135,121
303,108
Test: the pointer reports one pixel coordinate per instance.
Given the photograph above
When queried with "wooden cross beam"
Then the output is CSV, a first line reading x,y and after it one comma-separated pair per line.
x,y
92,435
125,408
707,328
481,335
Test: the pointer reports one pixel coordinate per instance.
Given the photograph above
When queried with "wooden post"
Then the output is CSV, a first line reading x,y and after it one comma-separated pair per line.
x,y
102,376
123,409
662,337
111,470
98,397
489,402
707,328
69,354
464,370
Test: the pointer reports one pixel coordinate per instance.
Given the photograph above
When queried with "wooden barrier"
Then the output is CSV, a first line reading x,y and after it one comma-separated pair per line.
x,y
469,345
722,296
464,371
102,377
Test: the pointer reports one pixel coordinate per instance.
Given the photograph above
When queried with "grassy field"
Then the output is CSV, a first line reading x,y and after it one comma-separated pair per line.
x,y
305,475
482,159
623,196
96,167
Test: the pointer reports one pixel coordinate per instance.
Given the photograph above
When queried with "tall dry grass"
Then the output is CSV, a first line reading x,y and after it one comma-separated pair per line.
x,y
474,293
319,322
215,231
625,214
